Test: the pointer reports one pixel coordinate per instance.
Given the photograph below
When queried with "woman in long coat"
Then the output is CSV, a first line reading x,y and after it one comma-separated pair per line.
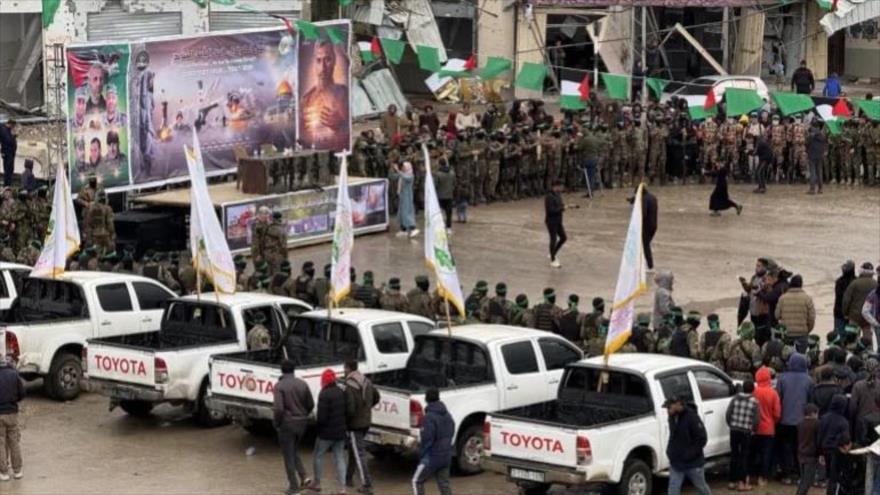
x,y
720,199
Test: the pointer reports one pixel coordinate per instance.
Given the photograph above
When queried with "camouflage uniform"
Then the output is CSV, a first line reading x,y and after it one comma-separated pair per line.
x,y
521,315
799,162
275,243
552,158
493,173
617,158
709,150
637,141
258,240
657,152
777,145
850,159
419,303
745,355
528,165
393,300
99,228
478,150
496,310
730,133
547,314
510,170
715,344
464,173
358,163
872,152
30,254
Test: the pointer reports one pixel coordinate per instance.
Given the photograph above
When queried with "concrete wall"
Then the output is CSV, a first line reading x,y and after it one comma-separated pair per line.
x,y
13,30
495,35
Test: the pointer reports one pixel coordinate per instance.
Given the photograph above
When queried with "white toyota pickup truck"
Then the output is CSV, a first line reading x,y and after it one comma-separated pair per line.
x,y
242,384
478,370
171,365
617,437
48,324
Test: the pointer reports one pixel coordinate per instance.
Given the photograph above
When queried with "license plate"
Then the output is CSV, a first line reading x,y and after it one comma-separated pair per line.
x,y
241,412
525,474
371,437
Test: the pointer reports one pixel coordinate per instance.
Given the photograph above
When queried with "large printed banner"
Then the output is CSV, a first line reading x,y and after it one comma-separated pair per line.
x,y
309,215
132,106
97,95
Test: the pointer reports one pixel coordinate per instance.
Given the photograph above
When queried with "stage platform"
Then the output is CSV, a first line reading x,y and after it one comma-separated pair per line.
x,y
224,192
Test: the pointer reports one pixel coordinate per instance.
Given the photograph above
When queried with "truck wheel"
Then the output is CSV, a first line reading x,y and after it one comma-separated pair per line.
x,y
533,488
62,382
636,479
203,416
136,408
469,451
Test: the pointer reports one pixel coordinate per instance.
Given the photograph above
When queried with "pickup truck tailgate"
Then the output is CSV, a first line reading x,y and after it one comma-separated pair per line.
x,y
251,381
536,442
121,364
392,411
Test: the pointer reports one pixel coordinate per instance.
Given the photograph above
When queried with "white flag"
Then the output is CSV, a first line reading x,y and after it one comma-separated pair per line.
x,y
62,235
630,281
437,253
343,239
210,252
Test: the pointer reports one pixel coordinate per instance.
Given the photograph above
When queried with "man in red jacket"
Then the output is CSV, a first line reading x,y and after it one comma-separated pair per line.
x,y
770,410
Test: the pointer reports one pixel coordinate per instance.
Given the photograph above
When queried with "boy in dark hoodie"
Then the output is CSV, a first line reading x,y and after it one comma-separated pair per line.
x,y
834,441
808,450
436,445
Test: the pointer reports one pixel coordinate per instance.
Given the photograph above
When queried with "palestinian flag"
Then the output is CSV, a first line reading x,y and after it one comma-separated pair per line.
x,y
368,53
571,97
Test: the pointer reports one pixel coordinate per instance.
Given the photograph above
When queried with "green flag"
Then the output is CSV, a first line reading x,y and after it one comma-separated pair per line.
x,y
494,67
335,34
825,4
247,8
699,113
223,2
429,58
834,126
345,3
308,30
531,76
740,101
49,9
616,86
393,49
871,108
656,85
790,103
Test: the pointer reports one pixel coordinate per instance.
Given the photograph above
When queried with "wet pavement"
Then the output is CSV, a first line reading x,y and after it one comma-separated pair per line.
x,y
80,447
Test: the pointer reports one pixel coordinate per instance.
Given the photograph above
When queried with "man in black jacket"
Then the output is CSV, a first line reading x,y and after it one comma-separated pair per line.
x,y
8,147
292,405
11,393
687,437
360,397
553,208
330,429
436,445
847,275
802,80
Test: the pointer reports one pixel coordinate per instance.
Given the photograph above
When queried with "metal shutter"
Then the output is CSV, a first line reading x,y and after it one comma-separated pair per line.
x,y
115,23
230,21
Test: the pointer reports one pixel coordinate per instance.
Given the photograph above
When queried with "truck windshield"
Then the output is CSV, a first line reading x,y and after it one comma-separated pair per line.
x,y
620,389
195,319
48,300
438,361
317,341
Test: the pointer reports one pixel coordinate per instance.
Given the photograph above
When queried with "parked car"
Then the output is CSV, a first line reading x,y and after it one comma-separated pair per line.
x,y
479,369
614,435
48,324
242,383
694,92
170,365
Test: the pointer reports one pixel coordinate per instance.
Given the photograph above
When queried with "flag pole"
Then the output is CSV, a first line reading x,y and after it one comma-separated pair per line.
x,y
217,294
448,318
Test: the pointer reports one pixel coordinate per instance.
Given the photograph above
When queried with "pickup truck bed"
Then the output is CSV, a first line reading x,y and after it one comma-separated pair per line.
x,y
161,341
603,410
